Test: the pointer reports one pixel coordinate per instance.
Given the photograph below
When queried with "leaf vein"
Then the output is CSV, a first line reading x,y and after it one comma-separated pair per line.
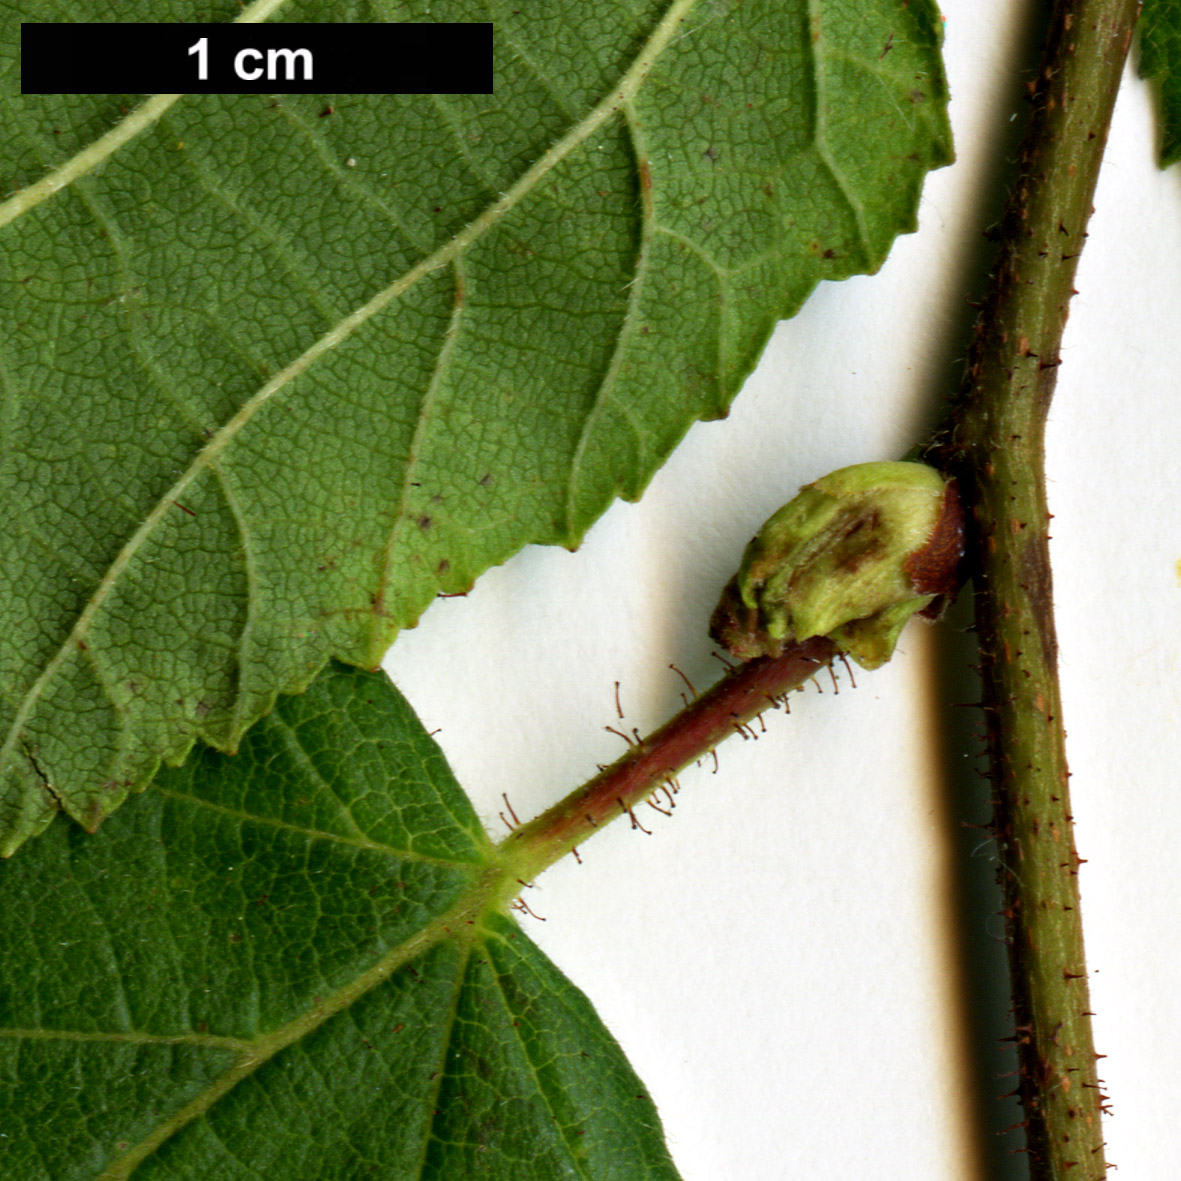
x,y
401,513
347,179
627,323
250,565
440,1073
21,525
248,1169
133,1037
148,365
817,50
505,35
104,939
271,237
306,763
94,154
314,834
661,36
266,1046
543,1091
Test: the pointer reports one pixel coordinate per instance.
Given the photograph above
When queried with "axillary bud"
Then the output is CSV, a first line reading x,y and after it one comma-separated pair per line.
x,y
852,557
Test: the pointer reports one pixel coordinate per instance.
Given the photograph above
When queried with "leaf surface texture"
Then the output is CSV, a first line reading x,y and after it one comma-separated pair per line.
x,y
1160,59
277,370
292,962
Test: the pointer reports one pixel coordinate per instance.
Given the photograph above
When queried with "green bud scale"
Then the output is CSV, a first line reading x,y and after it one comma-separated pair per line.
x,y
852,557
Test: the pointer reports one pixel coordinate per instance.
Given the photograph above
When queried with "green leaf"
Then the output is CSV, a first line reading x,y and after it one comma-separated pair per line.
x,y
1160,59
293,963
279,369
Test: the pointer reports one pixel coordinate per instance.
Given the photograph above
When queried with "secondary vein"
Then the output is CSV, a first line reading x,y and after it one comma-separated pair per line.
x,y
131,1037
312,834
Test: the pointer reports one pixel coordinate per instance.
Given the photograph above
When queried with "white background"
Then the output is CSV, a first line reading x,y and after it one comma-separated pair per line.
x,y
803,963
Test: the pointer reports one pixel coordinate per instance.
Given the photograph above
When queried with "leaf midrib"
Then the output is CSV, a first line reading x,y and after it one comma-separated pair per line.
x,y
608,107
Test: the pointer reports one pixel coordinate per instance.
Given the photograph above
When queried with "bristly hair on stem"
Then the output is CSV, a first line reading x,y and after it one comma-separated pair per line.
x,y
738,698
992,443
992,446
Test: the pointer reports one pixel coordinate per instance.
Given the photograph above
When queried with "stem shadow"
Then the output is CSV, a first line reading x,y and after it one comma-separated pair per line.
x,y
973,927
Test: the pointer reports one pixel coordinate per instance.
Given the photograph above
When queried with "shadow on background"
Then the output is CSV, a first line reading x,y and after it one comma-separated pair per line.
x,y
974,941
973,927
